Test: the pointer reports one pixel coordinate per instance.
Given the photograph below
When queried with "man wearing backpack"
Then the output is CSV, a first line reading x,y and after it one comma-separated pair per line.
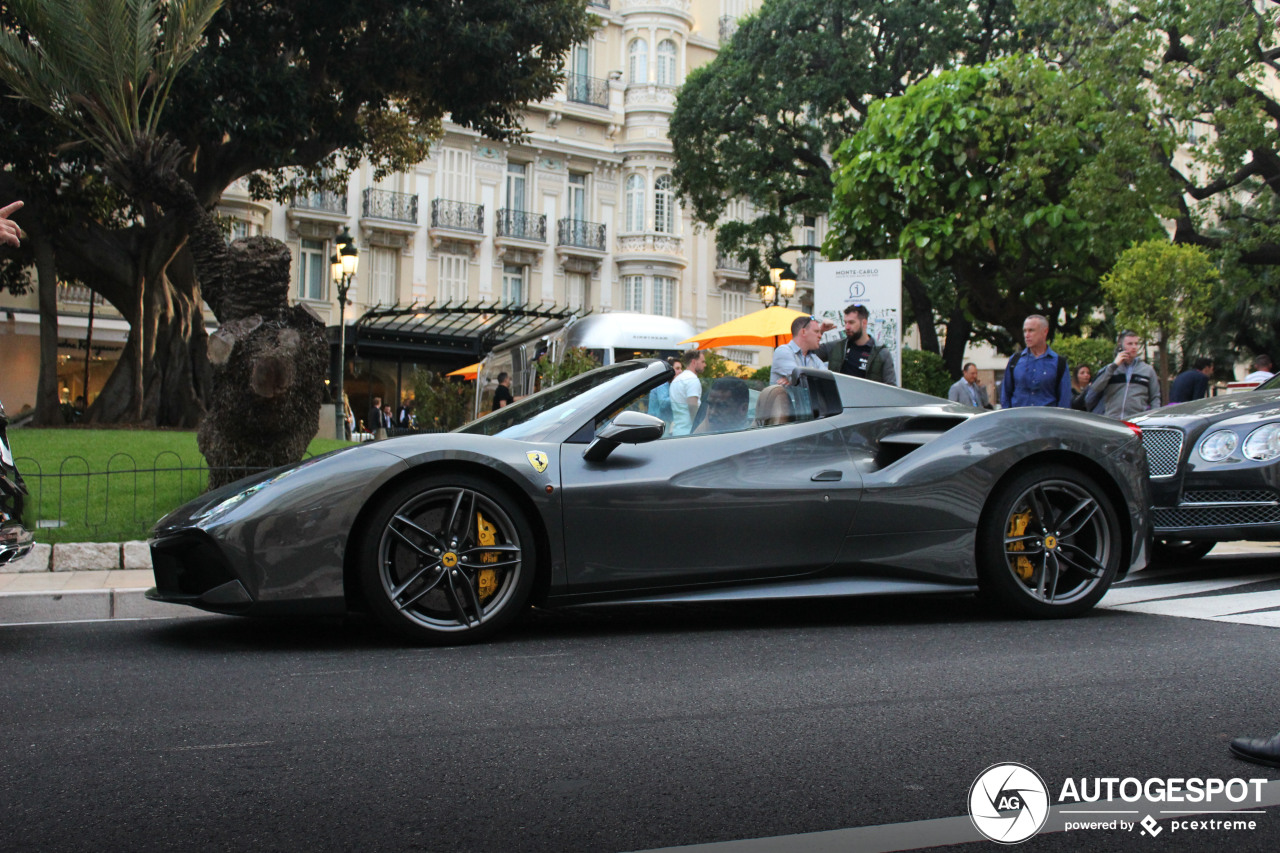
x,y
1036,376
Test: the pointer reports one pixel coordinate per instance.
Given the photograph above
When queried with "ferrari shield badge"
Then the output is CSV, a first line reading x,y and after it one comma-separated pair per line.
x,y
538,460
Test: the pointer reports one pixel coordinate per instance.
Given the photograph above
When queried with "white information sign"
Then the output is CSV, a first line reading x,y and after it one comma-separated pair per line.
x,y
877,285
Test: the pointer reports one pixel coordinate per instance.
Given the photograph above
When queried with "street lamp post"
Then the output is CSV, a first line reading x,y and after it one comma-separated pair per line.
x,y
781,286
342,267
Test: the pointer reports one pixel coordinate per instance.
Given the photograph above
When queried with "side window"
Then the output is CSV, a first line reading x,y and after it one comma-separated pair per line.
x,y
727,404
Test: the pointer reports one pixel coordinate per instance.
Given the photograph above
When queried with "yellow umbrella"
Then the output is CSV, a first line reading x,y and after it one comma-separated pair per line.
x,y
469,372
768,328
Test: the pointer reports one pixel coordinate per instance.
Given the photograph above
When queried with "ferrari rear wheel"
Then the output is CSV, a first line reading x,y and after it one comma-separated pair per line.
x,y
447,559
1049,545
1177,552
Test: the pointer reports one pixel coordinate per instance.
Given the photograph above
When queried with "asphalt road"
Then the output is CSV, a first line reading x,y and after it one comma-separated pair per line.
x,y
609,729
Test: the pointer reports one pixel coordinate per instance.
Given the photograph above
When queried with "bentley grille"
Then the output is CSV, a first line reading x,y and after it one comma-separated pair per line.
x,y
1165,518
1164,450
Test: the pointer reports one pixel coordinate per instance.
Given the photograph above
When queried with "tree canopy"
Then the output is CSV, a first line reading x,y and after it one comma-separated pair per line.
x,y
759,121
274,90
998,184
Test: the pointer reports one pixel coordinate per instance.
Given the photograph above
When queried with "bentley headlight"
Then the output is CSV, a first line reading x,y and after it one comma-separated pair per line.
x,y
1263,443
1217,446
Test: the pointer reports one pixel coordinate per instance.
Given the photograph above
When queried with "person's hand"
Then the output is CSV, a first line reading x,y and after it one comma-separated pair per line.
x,y
828,325
782,380
1122,358
9,231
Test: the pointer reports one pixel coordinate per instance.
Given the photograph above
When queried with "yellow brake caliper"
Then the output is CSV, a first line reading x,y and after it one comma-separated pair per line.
x,y
1018,527
488,577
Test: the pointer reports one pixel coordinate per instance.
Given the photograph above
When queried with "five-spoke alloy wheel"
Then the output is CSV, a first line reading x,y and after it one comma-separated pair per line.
x,y
447,559
1049,544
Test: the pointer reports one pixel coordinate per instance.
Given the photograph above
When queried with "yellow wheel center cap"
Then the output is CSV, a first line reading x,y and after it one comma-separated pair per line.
x,y
449,560
1050,542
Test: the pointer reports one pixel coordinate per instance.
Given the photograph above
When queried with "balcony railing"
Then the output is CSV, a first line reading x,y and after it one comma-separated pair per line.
x,y
582,234
522,225
78,294
384,204
804,267
328,202
732,263
603,4
582,89
457,215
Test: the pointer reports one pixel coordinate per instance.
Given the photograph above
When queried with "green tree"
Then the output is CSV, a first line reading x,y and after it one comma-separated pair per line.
x,y
757,123
576,360
441,403
1159,289
997,183
1095,352
276,92
1204,71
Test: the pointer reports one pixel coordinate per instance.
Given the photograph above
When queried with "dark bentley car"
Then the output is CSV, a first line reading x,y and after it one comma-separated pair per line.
x,y
1215,471
15,540
576,495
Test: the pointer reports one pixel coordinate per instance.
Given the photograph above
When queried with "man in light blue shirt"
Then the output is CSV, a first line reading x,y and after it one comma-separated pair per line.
x,y
800,351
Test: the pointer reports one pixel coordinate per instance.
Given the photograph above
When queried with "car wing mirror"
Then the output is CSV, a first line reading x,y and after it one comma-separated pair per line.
x,y
627,428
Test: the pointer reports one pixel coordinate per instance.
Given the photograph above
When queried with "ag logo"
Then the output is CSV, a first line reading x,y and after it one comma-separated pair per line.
x,y
538,460
1008,803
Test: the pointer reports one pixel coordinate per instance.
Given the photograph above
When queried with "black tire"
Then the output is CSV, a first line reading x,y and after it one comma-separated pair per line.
x,y
1049,544
1179,552
422,560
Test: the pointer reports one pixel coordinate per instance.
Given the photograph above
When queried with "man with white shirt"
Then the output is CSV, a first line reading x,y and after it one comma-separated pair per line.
x,y
686,392
1261,369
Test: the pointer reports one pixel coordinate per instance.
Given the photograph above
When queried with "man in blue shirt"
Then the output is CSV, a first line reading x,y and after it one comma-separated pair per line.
x,y
1037,376
800,351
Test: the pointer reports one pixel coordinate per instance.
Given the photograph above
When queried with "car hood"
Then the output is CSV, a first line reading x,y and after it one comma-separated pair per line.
x,y
1240,409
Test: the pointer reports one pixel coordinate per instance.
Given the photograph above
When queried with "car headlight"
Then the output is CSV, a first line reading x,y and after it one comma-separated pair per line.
x,y
1263,443
1217,446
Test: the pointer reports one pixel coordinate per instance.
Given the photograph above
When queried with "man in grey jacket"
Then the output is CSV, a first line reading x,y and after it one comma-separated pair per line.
x,y
1127,386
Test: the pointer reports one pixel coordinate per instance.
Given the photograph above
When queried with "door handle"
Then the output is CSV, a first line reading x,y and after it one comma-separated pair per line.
x,y
826,476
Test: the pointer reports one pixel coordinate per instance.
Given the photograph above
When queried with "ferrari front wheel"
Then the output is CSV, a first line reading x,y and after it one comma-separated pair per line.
x,y
1049,543
447,559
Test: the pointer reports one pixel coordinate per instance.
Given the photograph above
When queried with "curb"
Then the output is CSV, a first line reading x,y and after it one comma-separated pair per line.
x,y
83,557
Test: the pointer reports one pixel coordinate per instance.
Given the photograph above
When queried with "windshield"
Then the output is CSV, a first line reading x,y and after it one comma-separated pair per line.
x,y
1271,384
534,418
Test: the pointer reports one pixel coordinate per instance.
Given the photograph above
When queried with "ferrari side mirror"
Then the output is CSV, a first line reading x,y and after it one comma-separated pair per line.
x,y
626,428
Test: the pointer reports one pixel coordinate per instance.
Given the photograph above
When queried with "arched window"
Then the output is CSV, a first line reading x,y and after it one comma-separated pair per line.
x,y
635,203
666,63
638,61
664,219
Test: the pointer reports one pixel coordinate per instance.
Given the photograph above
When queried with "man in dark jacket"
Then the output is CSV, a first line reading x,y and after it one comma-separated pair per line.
x,y
1192,384
857,353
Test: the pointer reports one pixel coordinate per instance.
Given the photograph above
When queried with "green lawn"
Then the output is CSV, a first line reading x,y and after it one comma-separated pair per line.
x,y
109,485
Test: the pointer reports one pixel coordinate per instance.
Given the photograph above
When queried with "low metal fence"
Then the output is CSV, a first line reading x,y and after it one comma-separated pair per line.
x,y
121,501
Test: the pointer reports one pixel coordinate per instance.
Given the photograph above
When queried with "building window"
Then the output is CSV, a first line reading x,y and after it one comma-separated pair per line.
x,y
635,203
633,293
383,277
516,173
580,59
578,197
576,290
664,295
664,219
666,63
455,174
732,305
313,271
453,278
512,284
638,61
